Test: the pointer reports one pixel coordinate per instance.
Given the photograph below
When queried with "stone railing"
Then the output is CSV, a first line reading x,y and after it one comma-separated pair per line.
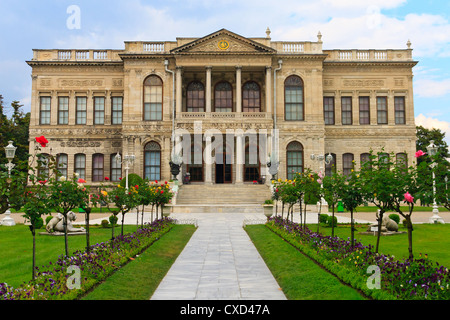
x,y
369,55
76,55
224,115
297,47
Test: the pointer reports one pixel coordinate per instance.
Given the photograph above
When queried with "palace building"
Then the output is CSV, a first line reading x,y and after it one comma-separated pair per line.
x,y
232,103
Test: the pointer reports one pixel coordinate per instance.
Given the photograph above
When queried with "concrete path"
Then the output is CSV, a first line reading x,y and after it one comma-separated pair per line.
x,y
219,262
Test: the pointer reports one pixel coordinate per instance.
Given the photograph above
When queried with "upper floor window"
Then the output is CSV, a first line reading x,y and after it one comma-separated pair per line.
x,y
99,110
293,98
328,110
399,103
346,110
117,107
223,97
382,110
63,110
153,87
195,97
81,110
45,110
251,97
364,110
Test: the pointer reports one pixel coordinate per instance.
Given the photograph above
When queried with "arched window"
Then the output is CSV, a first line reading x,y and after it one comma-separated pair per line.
x,y
223,97
42,166
195,97
116,168
294,159
80,165
152,161
97,167
153,98
331,167
347,163
293,98
61,165
251,97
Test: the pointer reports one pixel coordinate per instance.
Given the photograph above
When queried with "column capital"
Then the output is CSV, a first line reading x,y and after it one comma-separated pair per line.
x,y
208,67
238,67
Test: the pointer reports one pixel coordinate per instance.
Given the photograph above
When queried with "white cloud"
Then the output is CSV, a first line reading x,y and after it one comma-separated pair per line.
x,y
431,88
430,123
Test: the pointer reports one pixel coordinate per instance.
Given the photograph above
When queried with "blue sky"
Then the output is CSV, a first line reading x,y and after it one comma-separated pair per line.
x,y
344,24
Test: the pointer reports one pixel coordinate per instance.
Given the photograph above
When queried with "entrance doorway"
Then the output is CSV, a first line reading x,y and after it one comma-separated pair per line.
x,y
223,166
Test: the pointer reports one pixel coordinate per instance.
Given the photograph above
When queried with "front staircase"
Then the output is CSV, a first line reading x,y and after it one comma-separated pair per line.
x,y
217,198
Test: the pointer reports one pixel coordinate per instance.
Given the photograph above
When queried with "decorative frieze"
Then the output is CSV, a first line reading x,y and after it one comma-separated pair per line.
x,y
80,83
363,83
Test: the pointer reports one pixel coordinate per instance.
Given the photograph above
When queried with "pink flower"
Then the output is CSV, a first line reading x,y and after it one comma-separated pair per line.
x,y
408,197
81,181
106,178
42,141
419,154
319,181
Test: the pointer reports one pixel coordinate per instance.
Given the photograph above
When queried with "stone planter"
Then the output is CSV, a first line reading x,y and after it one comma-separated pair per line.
x,y
166,210
268,210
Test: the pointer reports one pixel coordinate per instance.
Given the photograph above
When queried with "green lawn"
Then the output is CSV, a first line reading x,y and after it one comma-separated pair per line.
x,y
140,278
16,245
431,239
298,276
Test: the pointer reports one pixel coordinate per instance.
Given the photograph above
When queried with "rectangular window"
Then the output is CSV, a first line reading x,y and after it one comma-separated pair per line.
x,y
346,107
97,167
45,110
116,168
63,110
347,163
399,103
152,102
116,114
364,110
99,110
81,110
382,110
328,110
294,103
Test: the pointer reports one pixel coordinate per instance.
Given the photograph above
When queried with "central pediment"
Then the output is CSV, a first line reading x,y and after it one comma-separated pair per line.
x,y
223,42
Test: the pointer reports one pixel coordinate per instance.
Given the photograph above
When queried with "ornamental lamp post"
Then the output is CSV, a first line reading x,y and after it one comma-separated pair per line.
x,y
432,151
128,160
10,151
322,159
175,164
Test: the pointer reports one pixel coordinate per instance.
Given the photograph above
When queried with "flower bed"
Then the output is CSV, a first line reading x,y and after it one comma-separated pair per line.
x,y
53,281
399,279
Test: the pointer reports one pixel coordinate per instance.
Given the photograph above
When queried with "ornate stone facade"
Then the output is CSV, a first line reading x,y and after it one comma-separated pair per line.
x,y
93,104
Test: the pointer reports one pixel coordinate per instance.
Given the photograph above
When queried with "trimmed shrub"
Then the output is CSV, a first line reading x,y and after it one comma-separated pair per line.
x,y
105,223
331,221
395,217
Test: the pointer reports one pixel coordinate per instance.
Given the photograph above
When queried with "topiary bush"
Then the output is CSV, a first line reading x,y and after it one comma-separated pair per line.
x,y
331,221
113,219
133,180
104,223
323,218
395,217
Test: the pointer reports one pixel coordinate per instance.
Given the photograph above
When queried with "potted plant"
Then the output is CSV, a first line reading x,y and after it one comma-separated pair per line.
x,y
268,208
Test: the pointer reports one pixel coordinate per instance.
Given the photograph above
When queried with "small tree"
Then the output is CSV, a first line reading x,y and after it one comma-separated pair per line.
x,y
349,191
330,192
66,195
377,185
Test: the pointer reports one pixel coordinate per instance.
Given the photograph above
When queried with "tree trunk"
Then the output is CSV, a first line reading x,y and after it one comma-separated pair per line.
x,y
65,235
123,218
142,217
352,230
88,246
380,219
318,216
410,230
332,225
33,271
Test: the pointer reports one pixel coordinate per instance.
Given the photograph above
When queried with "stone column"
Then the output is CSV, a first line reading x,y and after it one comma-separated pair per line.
x,y
208,161
238,89
208,89
373,108
108,107
178,97
269,89
338,109
54,108
239,158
